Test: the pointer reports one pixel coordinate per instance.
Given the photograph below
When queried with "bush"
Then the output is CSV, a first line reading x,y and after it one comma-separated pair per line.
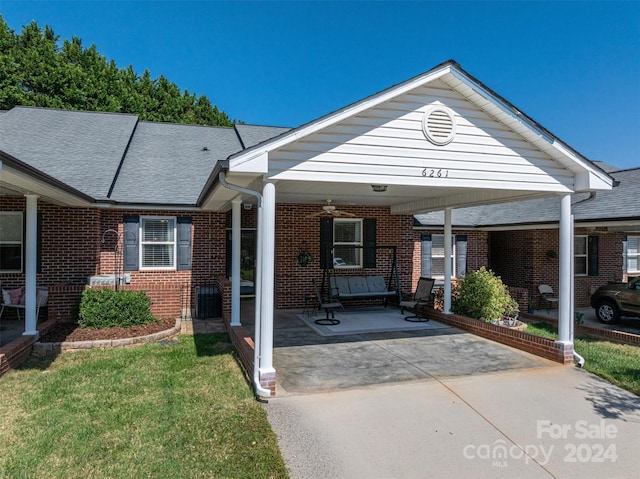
x,y
482,294
106,308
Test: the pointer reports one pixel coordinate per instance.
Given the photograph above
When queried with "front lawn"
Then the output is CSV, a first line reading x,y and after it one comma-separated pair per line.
x,y
617,363
160,411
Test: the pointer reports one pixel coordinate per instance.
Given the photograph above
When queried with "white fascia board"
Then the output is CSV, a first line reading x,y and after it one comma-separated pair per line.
x,y
334,118
595,180
257,162
588,178
487,95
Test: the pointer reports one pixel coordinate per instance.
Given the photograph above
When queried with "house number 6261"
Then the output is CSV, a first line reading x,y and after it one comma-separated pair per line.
x,y
435,173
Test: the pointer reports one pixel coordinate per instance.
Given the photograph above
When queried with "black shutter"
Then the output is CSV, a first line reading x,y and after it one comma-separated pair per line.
x,y
184,243
593,255
131,243
461,256
624,255
326,241
369,242
425,256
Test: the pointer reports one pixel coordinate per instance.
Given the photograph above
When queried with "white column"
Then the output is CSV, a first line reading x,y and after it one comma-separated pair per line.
x,y
236,235
268,266
447,261
565,299
31,266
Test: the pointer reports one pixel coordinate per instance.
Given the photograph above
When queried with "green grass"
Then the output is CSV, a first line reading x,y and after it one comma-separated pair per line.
x,y
617,363
182,410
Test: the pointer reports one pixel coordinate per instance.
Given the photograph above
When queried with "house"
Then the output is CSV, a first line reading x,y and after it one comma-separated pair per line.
x,y
520,240
166,206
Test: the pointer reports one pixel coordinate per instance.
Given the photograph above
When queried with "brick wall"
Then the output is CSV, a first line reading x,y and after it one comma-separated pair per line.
x,y
521,259
72,250
477,250
296,230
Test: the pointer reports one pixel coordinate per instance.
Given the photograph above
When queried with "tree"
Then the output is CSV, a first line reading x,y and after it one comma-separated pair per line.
x,y
36,71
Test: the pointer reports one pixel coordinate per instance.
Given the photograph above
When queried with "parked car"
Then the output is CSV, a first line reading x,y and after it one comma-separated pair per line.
x,y
617,299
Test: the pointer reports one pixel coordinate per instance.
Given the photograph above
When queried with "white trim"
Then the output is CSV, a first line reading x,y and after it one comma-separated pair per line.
x,y
359,251
585,255
299,133
142,243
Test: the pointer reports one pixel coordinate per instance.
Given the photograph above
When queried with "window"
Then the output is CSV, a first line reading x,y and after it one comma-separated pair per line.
x,y
632,260
432,260
347,233
580,255
11,235
157,242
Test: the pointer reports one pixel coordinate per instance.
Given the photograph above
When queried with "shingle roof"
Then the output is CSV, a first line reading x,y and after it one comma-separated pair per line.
x,y
611,205
169,164
252,135
81,149
113,156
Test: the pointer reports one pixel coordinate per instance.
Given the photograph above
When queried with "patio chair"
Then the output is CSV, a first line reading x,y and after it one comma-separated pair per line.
x,y
42,296
328,306
547,296
421,298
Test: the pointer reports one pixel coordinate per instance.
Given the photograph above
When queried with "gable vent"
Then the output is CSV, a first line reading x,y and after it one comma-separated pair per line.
x,y
439,125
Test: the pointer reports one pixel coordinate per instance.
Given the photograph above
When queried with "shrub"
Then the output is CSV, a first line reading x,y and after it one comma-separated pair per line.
x,y
106,308
482,294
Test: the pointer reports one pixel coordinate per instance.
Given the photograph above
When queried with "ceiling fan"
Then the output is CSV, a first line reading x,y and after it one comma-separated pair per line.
x,y
330,210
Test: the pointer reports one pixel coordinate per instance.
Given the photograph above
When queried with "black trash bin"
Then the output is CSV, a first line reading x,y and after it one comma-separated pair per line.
x,y
208,302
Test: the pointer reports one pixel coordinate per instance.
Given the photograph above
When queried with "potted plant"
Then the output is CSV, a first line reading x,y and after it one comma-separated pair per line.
x,y
304,258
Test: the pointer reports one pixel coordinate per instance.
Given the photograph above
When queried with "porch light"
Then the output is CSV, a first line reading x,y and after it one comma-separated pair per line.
x,y
379,188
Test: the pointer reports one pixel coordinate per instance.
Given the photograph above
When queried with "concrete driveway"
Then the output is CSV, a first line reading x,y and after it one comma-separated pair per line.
x,y
443,403
553,422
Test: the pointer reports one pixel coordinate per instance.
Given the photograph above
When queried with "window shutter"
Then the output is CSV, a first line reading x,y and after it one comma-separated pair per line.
x,y
369,242
131,244
183,225
425,256
326,241
593,255
461,256
625,267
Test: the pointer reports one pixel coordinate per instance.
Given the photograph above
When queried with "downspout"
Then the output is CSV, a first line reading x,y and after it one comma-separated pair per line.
x,y
260,391
576,356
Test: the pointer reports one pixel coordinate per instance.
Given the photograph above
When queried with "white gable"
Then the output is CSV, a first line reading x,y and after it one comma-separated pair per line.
x,y
495,154
387,144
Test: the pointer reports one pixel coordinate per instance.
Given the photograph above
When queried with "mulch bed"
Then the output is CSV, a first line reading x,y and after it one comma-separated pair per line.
x,y
63,331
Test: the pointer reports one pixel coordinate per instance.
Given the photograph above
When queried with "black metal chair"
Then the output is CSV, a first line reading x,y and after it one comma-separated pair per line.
x,y
421,298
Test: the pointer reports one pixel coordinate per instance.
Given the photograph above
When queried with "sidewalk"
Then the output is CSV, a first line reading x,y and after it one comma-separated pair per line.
x,y
558,422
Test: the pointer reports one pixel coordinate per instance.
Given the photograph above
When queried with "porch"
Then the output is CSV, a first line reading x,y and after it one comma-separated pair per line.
x,y
308,362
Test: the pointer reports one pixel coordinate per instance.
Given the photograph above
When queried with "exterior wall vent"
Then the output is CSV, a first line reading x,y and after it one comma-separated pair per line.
x,y
439,125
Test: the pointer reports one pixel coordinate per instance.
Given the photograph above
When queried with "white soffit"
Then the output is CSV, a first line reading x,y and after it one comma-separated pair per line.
x,y
18,182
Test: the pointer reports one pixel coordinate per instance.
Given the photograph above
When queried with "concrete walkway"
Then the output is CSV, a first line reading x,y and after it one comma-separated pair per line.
x,y
556,421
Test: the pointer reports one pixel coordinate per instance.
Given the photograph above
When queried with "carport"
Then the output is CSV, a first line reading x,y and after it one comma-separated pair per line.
x,y
439,141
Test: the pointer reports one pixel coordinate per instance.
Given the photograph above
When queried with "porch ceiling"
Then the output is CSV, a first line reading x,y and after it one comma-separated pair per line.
x,y
14,182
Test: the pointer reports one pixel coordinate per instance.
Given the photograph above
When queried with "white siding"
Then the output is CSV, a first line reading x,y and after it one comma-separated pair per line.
x,y
388,141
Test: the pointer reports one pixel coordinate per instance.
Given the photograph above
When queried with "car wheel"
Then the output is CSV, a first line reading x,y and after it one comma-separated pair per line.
x,y
607,313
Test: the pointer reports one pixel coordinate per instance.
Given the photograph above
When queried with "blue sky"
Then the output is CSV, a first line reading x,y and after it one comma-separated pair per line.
x,y
572,66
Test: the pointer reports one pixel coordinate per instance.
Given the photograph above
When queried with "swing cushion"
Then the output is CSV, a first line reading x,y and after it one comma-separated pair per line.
x,y
360,287
376,284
